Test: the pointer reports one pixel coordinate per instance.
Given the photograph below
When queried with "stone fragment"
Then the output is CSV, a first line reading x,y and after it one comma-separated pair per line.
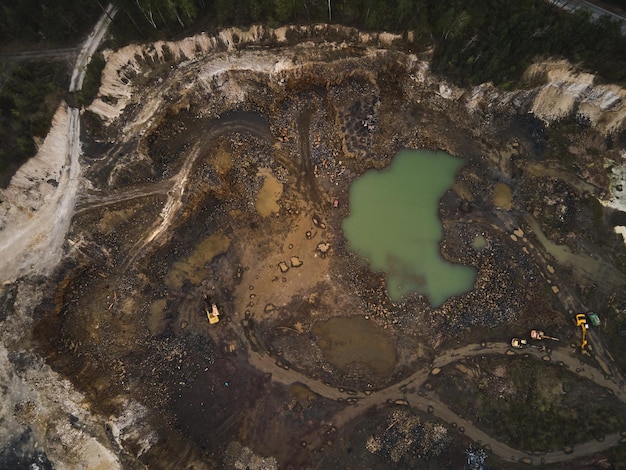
x,y
323,247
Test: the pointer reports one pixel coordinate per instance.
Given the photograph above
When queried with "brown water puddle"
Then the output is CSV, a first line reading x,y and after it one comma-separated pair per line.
x,y
223,159
587,269
267,199
502,197
479,242
193,268
538,169
157,310
113,218
348,341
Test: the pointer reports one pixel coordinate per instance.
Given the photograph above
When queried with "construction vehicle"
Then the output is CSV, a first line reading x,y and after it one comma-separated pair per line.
x,y
539,335
212,314
518,343
594,319
581,321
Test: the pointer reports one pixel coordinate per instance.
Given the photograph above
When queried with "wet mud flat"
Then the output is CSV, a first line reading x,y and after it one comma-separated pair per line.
x,y
243,210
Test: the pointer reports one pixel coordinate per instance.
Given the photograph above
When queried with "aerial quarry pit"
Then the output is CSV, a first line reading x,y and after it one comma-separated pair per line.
x,y
209,310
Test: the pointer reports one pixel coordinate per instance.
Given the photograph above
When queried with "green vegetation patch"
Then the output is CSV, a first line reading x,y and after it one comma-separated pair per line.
x,y
496,41
29,96
46,22
93,77
475,42
530,405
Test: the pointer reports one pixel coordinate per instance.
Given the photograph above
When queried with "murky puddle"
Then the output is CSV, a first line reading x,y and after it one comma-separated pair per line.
x,y
193,267
347,341
538,169
503,197
394,224
479,242
268,196
155,319
587,269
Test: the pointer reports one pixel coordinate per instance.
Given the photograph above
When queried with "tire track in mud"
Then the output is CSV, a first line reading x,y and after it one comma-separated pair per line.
x,y
236,122
407,392
306,178
95,201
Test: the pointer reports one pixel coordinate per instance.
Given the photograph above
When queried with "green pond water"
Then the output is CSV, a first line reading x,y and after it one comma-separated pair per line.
x,y
394,224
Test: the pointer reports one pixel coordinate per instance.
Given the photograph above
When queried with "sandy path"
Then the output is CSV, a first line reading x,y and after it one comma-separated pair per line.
x,y
33,244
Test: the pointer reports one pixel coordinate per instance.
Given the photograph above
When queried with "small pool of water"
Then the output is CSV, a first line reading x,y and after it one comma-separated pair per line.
x,y
268,196
394,224
193,267
479,242
586,269
347,341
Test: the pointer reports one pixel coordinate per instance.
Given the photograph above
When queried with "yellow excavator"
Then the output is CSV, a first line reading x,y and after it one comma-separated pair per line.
x,y
581,321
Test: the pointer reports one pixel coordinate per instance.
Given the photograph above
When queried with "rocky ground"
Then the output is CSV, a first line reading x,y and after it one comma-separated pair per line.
x,y
217,172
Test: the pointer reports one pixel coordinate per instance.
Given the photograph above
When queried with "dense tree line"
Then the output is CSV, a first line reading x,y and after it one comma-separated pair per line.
x,y
497,40
46,21
474,42
29,95
487,40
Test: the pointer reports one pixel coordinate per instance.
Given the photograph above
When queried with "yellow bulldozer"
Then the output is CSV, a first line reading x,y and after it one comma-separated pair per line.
x,y
581,321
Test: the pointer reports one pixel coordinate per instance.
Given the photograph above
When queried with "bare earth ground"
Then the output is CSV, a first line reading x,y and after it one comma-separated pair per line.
x,y
211,168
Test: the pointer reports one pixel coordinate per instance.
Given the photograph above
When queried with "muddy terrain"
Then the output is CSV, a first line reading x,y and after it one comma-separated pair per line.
x,y
215,178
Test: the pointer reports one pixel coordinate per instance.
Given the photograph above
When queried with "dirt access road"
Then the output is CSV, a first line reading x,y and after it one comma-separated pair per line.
x,y
596,11
35,244
60,53
410,392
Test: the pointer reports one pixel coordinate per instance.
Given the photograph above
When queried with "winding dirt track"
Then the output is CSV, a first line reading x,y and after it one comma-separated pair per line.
x,y
410,389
